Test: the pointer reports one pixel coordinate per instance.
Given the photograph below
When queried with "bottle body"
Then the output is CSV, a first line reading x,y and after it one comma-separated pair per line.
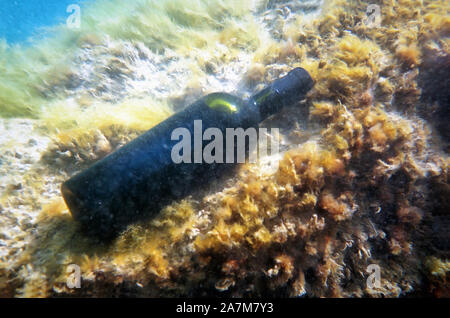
x,y
139,178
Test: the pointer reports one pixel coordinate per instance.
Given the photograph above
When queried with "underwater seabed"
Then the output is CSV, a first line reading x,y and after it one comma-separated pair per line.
x,y
363,179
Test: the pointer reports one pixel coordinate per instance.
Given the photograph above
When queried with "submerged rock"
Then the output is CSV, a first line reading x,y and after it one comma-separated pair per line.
x,y
362,181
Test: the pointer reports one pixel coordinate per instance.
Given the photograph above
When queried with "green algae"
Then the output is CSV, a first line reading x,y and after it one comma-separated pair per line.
x,y
31,76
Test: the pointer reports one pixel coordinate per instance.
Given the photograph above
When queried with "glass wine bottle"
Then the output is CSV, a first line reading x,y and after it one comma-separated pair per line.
x,y
136,180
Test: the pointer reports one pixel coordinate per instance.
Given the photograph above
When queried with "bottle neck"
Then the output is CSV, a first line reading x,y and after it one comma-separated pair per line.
x,y
283,92
267,102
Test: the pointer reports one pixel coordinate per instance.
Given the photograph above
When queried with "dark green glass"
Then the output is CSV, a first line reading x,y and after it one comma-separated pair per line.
x,y
136,180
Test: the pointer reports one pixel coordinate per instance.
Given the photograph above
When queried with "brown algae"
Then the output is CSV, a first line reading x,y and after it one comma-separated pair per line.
x,y
366,187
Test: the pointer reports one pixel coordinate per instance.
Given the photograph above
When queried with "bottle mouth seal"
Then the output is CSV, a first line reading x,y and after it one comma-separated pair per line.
x,y
293,87
285,91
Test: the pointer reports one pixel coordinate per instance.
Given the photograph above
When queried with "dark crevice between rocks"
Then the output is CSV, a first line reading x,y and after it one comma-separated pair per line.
x,y
434,80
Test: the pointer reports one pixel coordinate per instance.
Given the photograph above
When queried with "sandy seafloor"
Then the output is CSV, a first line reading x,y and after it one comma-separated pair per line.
x,y
363,178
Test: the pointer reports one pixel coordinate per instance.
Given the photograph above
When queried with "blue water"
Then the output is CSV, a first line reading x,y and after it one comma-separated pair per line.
x,y
21,20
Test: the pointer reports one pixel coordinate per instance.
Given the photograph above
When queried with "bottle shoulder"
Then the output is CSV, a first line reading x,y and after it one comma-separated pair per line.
x,y
231,106
224,102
